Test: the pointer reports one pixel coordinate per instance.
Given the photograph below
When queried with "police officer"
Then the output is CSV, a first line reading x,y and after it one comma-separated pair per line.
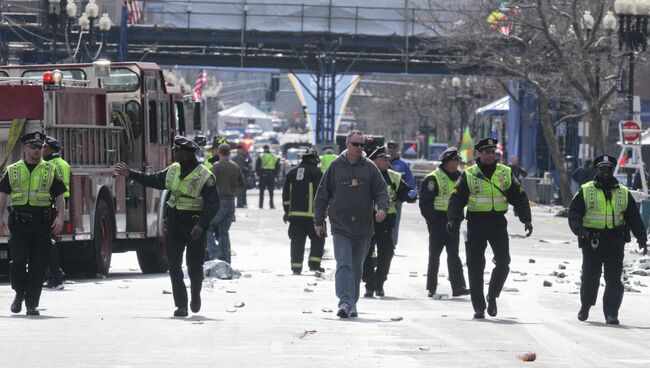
x,y
267,167
193,202
298,202
601,214
326,158
375,271
486,188
212,156
31,184
435,191
51,154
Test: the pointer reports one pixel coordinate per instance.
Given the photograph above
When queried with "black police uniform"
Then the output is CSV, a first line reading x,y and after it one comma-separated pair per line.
x,y
484,227
298,201
609,251
30,243
179,224
438,236
375,270
54,273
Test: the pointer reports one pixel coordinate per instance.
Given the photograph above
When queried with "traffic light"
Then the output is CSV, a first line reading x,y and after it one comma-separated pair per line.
x,y
269,96
304,112
275,82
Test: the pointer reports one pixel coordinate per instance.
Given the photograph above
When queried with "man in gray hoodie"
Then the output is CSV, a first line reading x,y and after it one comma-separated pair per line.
x,y
351,187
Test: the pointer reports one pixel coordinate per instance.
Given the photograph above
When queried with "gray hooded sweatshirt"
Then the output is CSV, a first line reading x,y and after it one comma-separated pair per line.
x,y
350,208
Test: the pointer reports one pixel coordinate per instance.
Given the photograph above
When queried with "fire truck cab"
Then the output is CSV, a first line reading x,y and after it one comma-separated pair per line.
x,y
101,113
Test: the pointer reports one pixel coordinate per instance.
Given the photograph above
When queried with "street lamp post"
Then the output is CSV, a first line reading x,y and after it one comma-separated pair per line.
x,y
460,97
632,35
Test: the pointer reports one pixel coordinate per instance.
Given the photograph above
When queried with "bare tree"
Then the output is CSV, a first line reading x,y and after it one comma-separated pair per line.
x,y
551,45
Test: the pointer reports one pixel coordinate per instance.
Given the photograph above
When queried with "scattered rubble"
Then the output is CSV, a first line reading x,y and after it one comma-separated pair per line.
x,y
547,283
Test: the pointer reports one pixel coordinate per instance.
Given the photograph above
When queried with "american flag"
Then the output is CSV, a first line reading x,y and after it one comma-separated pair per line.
x,y
201,80
135,11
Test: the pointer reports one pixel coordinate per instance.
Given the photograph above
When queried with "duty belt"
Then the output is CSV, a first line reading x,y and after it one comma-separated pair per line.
x,y
27,218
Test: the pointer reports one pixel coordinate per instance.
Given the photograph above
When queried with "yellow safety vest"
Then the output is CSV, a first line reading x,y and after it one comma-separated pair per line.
x,y
185,194
268,160
326,160
601,213
64,170
31,188
483,193
396,178
445,187
206,162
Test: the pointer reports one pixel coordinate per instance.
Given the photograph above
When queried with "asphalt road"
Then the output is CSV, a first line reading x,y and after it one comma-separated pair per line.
x,y
288,321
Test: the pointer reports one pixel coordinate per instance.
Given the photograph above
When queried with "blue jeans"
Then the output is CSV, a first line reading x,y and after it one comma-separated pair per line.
x,y
221,223
349,254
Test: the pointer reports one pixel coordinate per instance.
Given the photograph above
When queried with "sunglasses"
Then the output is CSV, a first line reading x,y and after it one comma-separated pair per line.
x,y
356,144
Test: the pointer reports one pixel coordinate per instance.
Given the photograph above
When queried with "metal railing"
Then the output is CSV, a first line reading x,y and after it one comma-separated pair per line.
x,y
88,145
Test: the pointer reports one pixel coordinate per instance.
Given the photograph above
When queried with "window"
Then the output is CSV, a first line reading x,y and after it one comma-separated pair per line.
x,y
164,123
133,111
68,74
153,123
122,80
179,118
152,85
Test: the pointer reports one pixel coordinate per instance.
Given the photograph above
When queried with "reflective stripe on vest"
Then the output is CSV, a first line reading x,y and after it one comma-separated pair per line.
x,y
326,160
483,193
600,213
445,187
31,188
396,179
310,205
185,195
64,170
268,160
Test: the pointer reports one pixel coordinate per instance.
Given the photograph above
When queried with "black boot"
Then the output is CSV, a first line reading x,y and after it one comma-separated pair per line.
x,y
379,291
583,314
31,311
460,292
492,306
17,304
479,314
370,291
612,320
180,312
195,304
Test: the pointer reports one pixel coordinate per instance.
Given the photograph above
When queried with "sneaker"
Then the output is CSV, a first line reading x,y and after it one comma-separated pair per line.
x,y
583,314
296,272
344,310
317,269
180,312
431,293
353,312
460,292
611,320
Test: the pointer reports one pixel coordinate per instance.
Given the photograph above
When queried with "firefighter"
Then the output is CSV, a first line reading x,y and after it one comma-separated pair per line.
x,y
31,184
435,191
601,214
326,158
375,271
51,153
486,188
192,203
298,202
267,167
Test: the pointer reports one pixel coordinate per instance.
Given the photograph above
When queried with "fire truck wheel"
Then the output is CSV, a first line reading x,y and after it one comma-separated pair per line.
x,y
103,238
153,261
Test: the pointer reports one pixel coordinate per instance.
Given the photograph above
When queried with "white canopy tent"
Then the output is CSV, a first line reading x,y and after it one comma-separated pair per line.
x,y
498,107
239,116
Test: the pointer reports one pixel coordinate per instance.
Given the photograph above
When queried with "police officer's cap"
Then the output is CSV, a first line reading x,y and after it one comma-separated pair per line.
x,y
449,154
35,138
486,143
53,143
200,140
392,143
377,152
218,141
310,153
605,160
185,144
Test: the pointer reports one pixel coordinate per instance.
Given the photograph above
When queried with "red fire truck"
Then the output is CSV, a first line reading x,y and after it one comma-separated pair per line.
x,y
102,113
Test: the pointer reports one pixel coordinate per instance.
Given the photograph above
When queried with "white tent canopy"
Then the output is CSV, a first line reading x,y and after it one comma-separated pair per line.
x,y
500,106
245,111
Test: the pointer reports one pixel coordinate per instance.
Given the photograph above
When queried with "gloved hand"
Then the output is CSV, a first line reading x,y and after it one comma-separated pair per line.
x,y
413,194
453,227
196,232
643,246
529,228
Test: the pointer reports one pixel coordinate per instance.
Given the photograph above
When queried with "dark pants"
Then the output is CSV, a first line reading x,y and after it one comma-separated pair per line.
x,y
30,246
376,273
267,181
240,193
299,229
610,255
177,238
54,272
481,230
439,239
